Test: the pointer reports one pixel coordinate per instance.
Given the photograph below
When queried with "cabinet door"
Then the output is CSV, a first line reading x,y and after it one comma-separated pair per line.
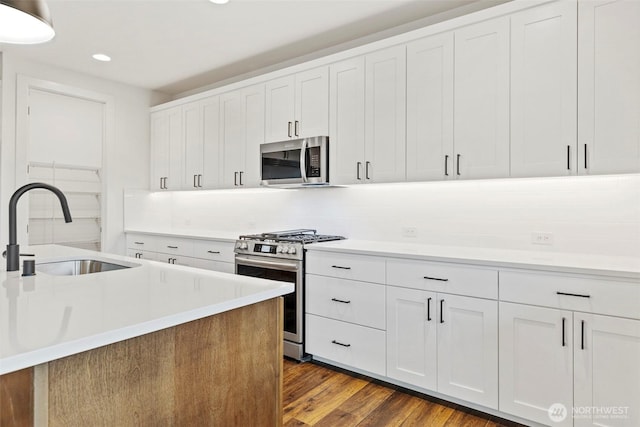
x,y
211,143
385,114
232,137
607,372
481,113
536,362
346,111
468,349
430,108
544,90
253,110
166,149
609,86
192,122
280,101
312,103
411,336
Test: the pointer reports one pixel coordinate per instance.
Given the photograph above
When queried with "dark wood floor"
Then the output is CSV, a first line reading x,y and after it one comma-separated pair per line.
x,y
316,395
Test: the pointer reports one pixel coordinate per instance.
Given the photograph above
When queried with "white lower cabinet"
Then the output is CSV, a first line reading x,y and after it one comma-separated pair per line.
x,y
567,361
442,342
345,343
536,361
566,368
206,254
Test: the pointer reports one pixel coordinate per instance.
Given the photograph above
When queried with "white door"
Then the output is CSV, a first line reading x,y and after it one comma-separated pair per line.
x,y
609,86
607,370
280,100
312,103
192,127
411,336
385,115
536,362
253,111
232,136
544,90
481,114
430,108
346,110
211,143
468,349
166,149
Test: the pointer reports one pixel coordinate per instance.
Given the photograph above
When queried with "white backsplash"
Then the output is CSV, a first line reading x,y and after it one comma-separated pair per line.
x,y
587,214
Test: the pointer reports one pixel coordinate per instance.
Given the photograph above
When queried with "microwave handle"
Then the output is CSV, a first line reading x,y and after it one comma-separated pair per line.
x,y
303,160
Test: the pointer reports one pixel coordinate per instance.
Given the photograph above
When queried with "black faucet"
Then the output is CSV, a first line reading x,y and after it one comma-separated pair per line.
x,y
13,249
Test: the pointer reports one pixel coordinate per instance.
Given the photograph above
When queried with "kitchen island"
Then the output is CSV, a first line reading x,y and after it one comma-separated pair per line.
x,y
152,344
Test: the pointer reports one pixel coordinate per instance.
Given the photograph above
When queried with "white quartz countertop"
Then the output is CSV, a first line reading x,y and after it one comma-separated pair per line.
x,y
46,317
624,267
220,235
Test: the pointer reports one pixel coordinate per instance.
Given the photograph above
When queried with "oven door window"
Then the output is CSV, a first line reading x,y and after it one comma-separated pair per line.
x,y
289,299
281,165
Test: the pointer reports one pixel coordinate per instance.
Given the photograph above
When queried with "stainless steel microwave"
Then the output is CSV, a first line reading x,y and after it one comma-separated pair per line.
x,y
296,162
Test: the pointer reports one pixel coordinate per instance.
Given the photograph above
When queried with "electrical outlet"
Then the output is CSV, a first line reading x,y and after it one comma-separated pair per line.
x,y
539,238
409,231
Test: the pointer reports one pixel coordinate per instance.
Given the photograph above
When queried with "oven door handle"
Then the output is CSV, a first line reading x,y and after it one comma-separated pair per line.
x,y
267,264
303,160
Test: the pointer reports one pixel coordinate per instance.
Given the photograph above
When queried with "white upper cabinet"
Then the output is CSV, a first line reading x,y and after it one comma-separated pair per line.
x,y
346,112
544,90
367,111
297,106
241,133
201,143
385,115
166,149
430,108
609,86
481,123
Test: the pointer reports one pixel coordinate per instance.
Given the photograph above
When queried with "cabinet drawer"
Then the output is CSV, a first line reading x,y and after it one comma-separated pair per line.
x,y
142,242
175,259
346,343
134,253
588,294
174,246
348,300
346,266
225,267
213,250
443,277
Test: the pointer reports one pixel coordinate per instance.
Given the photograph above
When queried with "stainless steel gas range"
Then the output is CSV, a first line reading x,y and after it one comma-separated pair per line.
x,y
281,256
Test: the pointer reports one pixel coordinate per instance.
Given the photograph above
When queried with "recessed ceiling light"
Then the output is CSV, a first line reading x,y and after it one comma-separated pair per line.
x,y
102,57
219,1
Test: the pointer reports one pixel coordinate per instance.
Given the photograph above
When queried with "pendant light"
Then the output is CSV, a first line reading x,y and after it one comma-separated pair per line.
x,y
25,22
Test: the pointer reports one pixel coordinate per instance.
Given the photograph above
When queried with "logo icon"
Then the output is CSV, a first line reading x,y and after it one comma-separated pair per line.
x,y
557,412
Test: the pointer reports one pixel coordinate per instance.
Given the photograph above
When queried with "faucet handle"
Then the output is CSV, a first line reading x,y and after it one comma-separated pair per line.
x,y
4,254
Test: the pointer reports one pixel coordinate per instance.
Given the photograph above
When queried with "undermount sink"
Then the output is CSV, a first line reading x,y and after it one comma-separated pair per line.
x,y
77,267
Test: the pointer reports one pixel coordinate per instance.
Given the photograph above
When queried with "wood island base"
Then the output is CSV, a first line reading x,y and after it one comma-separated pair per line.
x,y
222,370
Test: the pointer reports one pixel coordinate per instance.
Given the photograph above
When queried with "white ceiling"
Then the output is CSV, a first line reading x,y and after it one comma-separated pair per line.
x,y
176,46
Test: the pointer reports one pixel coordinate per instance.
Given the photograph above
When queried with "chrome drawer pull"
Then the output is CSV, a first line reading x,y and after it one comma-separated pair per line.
x,y
213,252
573,295
340,300
339,343
139,243
564,343
172,247
436,278
341,267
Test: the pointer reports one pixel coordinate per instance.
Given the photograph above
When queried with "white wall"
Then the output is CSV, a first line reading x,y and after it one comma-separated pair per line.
x,y
127,160
597,215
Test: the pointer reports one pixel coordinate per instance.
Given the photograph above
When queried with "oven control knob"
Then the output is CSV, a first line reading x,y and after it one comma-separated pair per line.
x,y
279,249
244,245
292,250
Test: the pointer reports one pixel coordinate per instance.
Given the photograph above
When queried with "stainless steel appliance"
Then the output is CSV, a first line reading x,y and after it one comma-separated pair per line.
x,y
281,256
294,163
